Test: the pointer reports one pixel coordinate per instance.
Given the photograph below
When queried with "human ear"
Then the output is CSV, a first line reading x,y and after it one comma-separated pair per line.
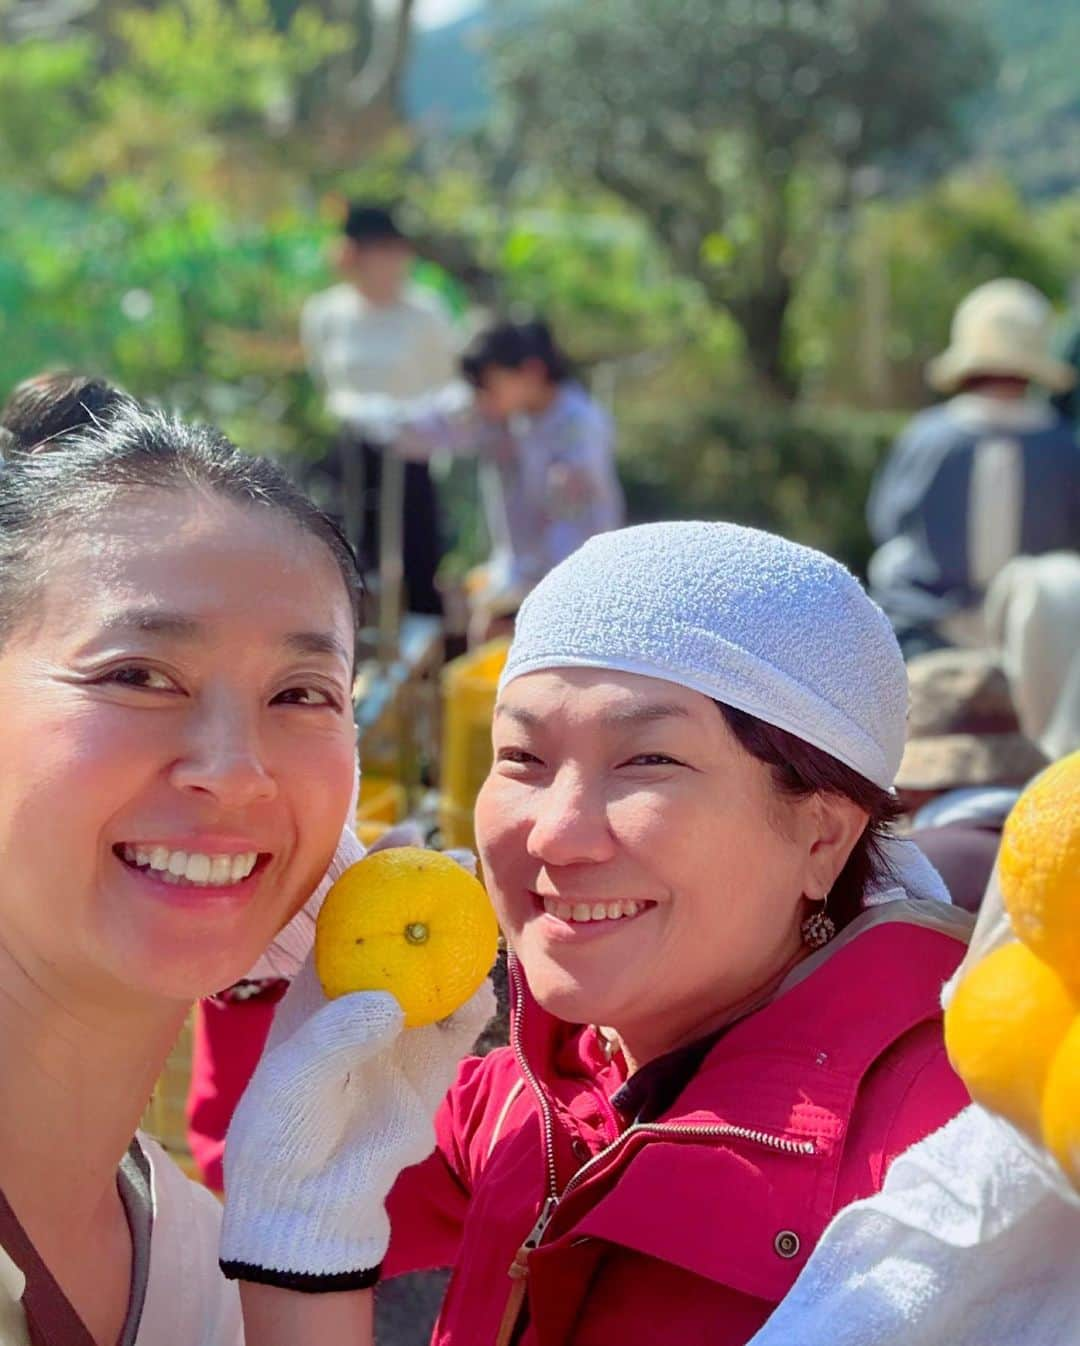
x,y
836,824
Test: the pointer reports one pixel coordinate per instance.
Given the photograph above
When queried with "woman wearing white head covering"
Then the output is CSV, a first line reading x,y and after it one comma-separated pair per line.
x,y
726,1001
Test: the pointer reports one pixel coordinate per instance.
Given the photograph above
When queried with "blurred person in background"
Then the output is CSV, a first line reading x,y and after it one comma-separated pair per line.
x,y
372,337
1068,346
989,475
1033,620
964,766
547,458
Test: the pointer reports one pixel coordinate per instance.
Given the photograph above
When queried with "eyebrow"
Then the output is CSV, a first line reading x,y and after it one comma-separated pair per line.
x,y
180,626
317,642
620,716
153,622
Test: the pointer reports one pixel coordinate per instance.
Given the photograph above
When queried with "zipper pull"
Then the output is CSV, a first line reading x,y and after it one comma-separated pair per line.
x,y
519,1266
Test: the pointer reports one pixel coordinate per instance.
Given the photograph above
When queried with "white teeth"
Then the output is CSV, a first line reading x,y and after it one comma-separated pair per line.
x,y
220,869
242,865
595,911
198,868
193,867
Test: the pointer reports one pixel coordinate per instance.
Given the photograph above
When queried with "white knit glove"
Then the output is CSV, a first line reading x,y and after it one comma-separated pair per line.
x,y
342,1100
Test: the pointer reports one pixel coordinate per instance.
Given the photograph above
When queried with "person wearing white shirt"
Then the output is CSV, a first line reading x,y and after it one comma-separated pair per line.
x,y
374,336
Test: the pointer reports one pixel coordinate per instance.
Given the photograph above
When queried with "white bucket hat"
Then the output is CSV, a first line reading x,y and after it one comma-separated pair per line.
x,y
1003,328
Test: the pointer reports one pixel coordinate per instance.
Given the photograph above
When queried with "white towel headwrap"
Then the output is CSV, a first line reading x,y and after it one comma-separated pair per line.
x,y
770,627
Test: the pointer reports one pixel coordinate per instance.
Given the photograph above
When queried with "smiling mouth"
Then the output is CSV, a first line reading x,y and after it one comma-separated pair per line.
x,y
581,912
191,869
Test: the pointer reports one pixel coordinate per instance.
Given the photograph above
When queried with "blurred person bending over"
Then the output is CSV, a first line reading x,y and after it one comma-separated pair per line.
x,y
547,460
985,477
370,337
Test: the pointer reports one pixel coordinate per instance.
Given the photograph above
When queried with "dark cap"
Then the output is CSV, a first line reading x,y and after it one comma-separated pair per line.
x,y
371,224
962,726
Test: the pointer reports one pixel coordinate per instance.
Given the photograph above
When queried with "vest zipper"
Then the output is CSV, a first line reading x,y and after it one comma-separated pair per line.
x,y
721,1130
519,1269
534,1084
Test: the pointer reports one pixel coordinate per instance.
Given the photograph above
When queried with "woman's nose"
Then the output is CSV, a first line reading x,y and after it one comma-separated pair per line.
x,y
570,824
224,757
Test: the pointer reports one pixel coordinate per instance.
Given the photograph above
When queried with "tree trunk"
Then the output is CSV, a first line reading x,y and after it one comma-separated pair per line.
x,y
762,317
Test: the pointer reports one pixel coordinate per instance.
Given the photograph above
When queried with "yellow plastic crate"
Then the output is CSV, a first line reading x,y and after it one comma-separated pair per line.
x,y
382,800
164,1117
456,827
468,693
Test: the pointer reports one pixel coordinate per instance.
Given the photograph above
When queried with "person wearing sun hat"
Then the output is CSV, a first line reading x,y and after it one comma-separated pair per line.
x,y
988,475
964,765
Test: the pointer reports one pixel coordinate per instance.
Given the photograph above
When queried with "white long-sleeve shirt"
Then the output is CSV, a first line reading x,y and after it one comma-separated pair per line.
x,y
398,351
973,1240
188,1301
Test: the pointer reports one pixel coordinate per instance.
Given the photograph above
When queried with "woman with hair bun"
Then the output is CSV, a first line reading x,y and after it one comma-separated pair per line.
x,y
176,647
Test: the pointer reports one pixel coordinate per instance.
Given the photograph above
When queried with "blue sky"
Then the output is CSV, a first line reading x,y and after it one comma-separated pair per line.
x,y
434,13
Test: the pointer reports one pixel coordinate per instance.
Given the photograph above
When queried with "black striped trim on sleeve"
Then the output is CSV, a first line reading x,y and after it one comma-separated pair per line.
x,y
307,1283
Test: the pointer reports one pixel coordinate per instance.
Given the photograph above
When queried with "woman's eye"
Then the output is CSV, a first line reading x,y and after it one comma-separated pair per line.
x,y
653,759
517,755
306,696
135,675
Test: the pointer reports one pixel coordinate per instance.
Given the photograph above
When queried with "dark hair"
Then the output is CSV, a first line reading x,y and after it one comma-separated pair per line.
x,y
52,404
365,223
509,345
62,488
799,770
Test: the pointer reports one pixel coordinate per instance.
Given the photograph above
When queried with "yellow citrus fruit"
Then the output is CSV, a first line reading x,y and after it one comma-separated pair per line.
x,y
1061,1106
411,922
1006,1021
1039,867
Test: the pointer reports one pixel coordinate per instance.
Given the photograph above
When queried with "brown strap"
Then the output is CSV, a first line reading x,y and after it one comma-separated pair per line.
x,y
49,1316
514,1306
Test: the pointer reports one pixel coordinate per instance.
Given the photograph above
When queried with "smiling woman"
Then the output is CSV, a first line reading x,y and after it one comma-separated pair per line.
x,y
725,971
176,646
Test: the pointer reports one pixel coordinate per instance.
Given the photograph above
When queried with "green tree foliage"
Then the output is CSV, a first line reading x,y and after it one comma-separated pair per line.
x,y
733,126
920,256
803,474
166,173
1031,120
